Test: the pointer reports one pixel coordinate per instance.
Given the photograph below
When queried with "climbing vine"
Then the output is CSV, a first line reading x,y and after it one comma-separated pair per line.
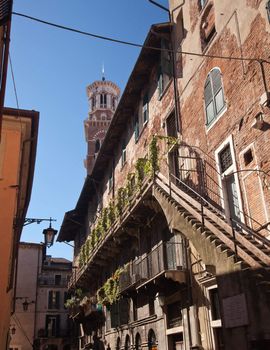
x,y
144,167
109,292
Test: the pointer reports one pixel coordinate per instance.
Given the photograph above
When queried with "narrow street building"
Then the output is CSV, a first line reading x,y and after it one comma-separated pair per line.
x,y
171,228
40,320
17,163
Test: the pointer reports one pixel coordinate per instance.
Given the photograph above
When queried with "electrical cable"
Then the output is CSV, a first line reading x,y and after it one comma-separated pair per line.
x,y
129,43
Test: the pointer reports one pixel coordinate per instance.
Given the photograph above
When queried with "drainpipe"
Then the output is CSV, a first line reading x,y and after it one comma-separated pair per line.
x,y
175,87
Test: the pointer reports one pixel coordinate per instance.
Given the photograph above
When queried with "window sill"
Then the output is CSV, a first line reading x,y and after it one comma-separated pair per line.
x,y
165,89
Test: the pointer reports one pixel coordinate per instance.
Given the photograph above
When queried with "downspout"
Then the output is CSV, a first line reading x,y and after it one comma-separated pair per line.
x,y
175,87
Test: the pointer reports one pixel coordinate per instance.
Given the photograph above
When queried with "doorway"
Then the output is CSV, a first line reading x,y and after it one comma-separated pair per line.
x,y
230,189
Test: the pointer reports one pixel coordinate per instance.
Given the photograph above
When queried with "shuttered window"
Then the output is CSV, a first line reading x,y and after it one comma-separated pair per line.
x,y
145,109
213,96
54,299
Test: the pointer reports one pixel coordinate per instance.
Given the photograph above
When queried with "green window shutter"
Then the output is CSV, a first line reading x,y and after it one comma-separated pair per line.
x,y
50,306
145,108
136,128
166,58
57,300
160,81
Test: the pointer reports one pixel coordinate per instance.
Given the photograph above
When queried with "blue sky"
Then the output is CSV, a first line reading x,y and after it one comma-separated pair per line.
x,y
52,68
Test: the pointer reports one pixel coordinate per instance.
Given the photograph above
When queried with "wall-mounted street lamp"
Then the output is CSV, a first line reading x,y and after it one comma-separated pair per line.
x,y
26,303
12,329
49,234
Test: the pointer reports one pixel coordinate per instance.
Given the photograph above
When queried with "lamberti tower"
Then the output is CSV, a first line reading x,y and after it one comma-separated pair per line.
x,y
103,97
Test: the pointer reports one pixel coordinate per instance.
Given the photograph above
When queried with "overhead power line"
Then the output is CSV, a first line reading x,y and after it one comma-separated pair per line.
x,y
129,43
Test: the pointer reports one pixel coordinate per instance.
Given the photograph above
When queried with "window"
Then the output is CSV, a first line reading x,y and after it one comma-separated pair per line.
x,y
136,128
213,96
248,157
268,10
93,103
111,179
152,345
103,100
66,297
138,342
165,68
118,344
215,317
97,145
54,298
202,3
145,109
113,102
151,304
225,158
214,302
124,153
52,325
57,279
207,26
127,342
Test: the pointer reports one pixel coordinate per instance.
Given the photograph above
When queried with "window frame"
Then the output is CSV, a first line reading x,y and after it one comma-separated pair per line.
x,y
268,10
217,113
54,304
124,153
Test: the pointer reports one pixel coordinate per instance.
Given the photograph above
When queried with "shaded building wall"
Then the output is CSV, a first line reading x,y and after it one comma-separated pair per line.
x,y
17,159
29,267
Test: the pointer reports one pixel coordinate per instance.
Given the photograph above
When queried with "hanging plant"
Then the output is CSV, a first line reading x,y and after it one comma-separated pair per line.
x,y
111,212
105,219
140,170
121,200
130,188
109,292
153,155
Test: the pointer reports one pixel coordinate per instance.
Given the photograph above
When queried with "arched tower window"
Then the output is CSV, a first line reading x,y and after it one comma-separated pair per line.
x,y
138,342
152,343
103,100
213,96
93,103
97,145
127,342
118,343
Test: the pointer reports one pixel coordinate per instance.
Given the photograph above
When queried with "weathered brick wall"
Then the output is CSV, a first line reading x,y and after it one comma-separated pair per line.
x,y
243,32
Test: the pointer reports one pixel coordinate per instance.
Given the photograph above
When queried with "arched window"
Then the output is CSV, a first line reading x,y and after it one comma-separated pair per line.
x,y
97,145
93,103
103,100
213,96
152,343
127,342
118,343
138,342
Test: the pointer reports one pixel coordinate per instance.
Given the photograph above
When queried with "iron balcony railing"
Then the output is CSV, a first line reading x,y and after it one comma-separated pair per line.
x,y
50,281
166,256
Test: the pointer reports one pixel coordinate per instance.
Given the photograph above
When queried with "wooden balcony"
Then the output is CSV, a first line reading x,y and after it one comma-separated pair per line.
x,y
166,259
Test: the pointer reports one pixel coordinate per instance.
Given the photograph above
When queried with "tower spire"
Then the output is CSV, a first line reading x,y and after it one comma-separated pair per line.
x,y
103,72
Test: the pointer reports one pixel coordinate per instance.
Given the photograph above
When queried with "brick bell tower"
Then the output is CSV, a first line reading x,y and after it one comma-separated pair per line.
x,y
103,96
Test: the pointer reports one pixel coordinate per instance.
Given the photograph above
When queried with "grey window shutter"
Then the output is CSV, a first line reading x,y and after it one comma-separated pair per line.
x,y
216,80
208,95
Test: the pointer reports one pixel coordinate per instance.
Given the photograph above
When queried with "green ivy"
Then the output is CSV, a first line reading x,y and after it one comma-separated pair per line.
x,y
153,155
109,292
